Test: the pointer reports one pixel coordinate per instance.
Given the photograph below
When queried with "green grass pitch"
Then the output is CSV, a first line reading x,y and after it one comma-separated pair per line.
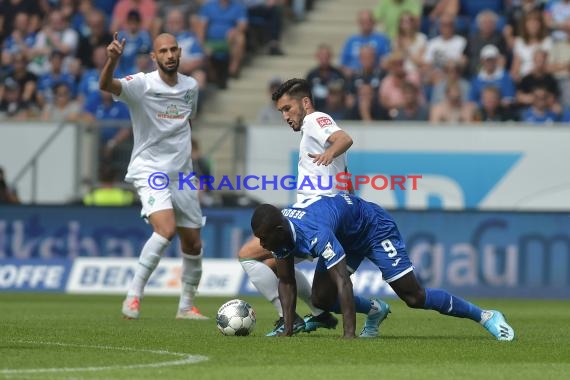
x,y
84,337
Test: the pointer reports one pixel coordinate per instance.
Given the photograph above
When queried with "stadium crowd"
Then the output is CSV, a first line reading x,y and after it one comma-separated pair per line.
x,y
447,61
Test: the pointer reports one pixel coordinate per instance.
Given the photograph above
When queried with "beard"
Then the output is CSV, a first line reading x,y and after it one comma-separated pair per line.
x,y
168,70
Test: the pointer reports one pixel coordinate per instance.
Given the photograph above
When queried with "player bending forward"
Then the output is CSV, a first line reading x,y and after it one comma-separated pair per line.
x,y
340,231
322,155
161,104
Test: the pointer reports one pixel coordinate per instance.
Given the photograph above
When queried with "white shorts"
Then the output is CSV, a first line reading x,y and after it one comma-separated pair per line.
x,y
185,202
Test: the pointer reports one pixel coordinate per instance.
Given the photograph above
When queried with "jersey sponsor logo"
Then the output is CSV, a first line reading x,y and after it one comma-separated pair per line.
x,y
324,121
172,112
328,253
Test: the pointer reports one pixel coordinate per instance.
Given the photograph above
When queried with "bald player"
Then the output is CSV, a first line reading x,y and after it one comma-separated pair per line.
x,y
161,104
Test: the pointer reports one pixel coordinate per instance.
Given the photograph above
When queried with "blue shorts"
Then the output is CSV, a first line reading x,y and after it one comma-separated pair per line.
x,y
386,250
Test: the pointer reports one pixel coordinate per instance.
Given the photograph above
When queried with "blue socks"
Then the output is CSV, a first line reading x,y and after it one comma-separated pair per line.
x,y
445,303
361,305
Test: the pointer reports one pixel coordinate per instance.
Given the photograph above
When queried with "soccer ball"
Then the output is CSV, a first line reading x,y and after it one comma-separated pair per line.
x,y
236,317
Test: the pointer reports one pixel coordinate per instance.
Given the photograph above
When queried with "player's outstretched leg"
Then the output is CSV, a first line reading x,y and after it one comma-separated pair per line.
x,y
149,258
409,290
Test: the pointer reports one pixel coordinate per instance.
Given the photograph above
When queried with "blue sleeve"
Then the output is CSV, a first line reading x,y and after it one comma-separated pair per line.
x,y
329,248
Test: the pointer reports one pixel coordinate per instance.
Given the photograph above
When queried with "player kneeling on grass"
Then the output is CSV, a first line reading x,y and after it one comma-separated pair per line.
x,y
340,231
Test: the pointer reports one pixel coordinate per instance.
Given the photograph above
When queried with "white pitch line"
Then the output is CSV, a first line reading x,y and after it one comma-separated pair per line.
x,y
186,359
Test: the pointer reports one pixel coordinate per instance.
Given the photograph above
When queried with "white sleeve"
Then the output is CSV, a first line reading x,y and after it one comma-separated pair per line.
x,y
132,88
323,126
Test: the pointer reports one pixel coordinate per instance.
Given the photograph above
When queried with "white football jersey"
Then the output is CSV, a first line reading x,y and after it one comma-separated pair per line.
x,y
160,116
316,129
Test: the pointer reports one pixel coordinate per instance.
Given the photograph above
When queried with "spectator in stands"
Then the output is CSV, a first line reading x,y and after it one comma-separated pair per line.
x,y
350,54
10,8
485,34
515,12
391,91
388,13
108,193
11,104
470,9
187,8
491,109
222,30
534,36
451,74
268,114
540,111
538,77
411,110
63,108
324,73
193,58
27,82
98,36
432,10
557,19
89,83
366,106
453,109
100,107
448,46
335,104
369,74
269,15
20,40
147,9
138,40
557,16
56,75
7,194
144,63
106,6
410,41
77,13
491,74
54,35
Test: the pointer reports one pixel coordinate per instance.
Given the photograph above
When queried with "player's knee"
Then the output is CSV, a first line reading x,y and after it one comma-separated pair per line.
x,y
166,230
191,246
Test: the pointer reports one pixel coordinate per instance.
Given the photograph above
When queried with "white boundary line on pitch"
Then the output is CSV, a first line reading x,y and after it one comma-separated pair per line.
x,y
185,359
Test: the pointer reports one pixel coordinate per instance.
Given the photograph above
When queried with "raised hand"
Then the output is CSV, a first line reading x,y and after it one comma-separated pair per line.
x,y
115,48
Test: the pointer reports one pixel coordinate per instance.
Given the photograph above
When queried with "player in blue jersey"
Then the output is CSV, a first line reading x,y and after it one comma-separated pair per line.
x,y
340,231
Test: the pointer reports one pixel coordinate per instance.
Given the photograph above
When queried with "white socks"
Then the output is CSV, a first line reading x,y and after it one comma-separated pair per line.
x,y
191,275
267,283
148,261
304,292
265,280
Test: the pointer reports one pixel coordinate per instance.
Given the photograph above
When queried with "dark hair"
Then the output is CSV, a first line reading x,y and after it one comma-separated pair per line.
x,y
295,88
265,214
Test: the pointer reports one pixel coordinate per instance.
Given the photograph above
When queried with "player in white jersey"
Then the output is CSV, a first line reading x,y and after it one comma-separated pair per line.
x,y
322,152
161,104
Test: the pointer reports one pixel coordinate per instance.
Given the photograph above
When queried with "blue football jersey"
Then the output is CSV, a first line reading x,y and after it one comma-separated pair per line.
x,y
332,227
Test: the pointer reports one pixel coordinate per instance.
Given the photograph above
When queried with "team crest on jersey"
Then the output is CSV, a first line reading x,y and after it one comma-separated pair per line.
x,y
172,112
324,121
328,253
